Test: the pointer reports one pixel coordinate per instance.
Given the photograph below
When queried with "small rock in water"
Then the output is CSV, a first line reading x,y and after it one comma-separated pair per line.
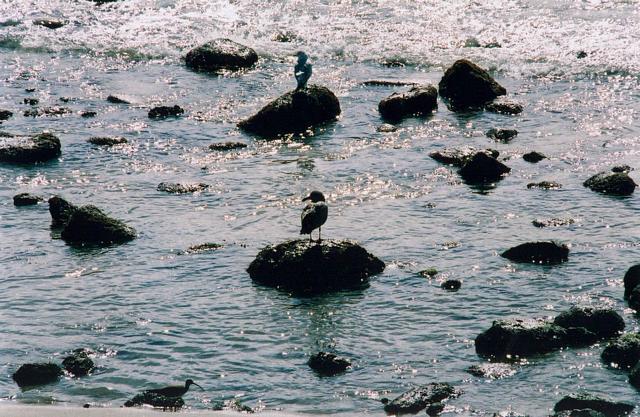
x,y
227,146
26,199
162,112
546,185
504,107
631,280
451,285
419,101
328,364
284,36
459,157
89,225
38,148
220,54
554,222
623,352
603,322
634,376
587,401
5,114
420,398
176,188
107,141
49,23
581,54
533,157
31,374
482,168
467,86
429,272
31,101
619,184
621,168
47,111
79,363
233,405
386,128
471,43
88,113
387,83
394,62
492,370
156,400
116,100
204,247
538,252
504,135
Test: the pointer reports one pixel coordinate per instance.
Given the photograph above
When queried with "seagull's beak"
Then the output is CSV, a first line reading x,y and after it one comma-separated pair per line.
x,y
198,386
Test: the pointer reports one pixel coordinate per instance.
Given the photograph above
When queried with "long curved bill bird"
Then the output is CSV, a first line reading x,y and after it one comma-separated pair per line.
x,y
314,214
174,391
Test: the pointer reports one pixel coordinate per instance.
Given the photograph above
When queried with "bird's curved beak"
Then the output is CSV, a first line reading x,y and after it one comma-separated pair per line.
x,y
198,386
306,198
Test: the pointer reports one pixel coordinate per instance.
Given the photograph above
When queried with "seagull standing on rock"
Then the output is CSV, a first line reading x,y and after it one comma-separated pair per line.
x,y
314,214
302,70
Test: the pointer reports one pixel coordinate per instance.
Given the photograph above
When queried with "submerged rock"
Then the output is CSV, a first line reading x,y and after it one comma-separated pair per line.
x,y
451,285
621,168
428,273
227,146
631,280
89,225
116,100
107,140
533,157
504,107
520,337
419,101
492,370
294,112
603,322
504,135
220,54
203,247
623,352
47,111
538,252
60,210
49,23
308,267
26,199
554,222
420,398
466,86
38,148
546,185
88,113
619,184
31,374
78,363
156,400
162,112
459,157
386,128
587,401
634,376
31,101
328,364
5,114
232,405
482,168
175,188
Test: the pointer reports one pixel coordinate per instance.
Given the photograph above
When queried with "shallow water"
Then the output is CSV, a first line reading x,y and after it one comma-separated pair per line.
x,y
157,316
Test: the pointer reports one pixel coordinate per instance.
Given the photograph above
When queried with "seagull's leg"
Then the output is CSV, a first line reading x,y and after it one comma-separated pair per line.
x,y
320,234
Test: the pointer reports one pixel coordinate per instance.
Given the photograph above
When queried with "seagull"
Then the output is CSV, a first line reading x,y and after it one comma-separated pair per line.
x,y
302,70
314,214
175,390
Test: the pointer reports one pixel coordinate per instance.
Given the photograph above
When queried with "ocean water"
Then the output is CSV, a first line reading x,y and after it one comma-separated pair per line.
x,y
156,316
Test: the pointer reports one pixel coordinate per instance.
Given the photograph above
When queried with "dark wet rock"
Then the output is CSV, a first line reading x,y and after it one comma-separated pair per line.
x,y
553,222
47,111
581,54
87,405
328,364
493,44
545,185
504,135
434,409
29,149
203,247
294,112
78,363
419,101
90,225
231,405
634,298
459,157
308,267
634,376
420,398
284,36
101,2
386,128
116,100
603,322
466,86
583,412
394,62
107,140
175,188
65,99
492,370
162,112
482,168
429,272
614,184
31,101
504,107
31,374
587,401
156,400
88,113
621,168
49,23
29,90
623,352
227,146
451,285
538,252
60,210
533,157
631,280
387,83
220,54
26,199
520,337
472,43
5,114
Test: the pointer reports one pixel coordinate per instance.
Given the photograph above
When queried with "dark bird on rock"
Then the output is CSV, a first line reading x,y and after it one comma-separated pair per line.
x,y
302,70
175,390
314,214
